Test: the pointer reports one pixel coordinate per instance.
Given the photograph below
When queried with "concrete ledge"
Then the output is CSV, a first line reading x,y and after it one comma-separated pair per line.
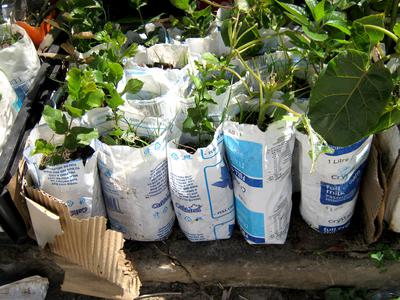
x,y
308,260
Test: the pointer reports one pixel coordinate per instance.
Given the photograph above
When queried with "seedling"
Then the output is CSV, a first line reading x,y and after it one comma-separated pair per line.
x,y
8,37
196,23
212,75
268,86
384,254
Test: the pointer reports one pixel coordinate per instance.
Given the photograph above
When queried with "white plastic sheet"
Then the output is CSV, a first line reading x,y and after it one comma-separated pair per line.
x,y
261,166
19,62
329,194
8,109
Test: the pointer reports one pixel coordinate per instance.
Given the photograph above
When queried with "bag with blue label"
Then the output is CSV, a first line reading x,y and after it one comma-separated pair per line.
x,y
201,189
19,61
76,182
329,193
135,189
8,109
261,166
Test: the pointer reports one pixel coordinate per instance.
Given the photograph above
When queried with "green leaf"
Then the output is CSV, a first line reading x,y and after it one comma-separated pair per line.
x,y
74,111
210,58
320,37
181,4
55,119
95,98
311,5
349,98
297,11
188,125
387,120
378,20
43,147
207,125
85,135
319,11
339,24
116,72
196,81
133,86
131,50
114,100
80,137
74,77
317,143
396,29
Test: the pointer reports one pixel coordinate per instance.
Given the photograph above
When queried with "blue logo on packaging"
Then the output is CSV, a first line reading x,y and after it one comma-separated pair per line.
x,y
344,150
337,194
225,178
191,209
333,229
246,160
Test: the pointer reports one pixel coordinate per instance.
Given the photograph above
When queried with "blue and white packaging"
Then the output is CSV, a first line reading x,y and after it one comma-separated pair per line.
x,y
135,189
201,190
19,61
261,166
75,183
329,193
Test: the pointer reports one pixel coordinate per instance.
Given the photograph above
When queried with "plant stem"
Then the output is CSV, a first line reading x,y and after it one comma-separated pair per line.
x,y
217,5
383,30
287,108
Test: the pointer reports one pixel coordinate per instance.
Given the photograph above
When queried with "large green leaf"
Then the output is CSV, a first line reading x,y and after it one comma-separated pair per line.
x,y
297,11
133,86
349,98
375,35
74,77
43,147
55,119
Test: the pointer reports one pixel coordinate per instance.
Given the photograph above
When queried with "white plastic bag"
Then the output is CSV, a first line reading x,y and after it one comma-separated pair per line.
x,y
201,190
329,194
212,43
153,109
261,164
135,189
76,183
169,54
8,109
19,62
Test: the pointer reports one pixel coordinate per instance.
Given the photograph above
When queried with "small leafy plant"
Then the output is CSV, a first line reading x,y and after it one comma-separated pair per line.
x,y
212,75
384,254
196,23
80,20
75,142
8,37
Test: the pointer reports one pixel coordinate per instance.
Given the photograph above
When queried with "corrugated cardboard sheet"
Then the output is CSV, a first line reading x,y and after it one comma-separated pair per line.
x,y
89,244
380,189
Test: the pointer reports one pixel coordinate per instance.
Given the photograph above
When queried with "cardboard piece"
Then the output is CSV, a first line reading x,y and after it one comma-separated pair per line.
x,y
92,248
45,224
372,193
392,213
14,187
380,189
